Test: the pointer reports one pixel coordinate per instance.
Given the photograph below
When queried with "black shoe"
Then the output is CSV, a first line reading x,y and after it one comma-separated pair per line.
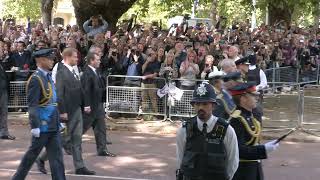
x,y
8,137
41,167
106,153
67,151
109,142
85,171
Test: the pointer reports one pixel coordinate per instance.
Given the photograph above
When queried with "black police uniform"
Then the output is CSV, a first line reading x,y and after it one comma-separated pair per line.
x,y
248,130
43,114
204,156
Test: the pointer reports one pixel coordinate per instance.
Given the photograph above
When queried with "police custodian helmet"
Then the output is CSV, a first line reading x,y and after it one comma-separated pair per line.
x,y
204,92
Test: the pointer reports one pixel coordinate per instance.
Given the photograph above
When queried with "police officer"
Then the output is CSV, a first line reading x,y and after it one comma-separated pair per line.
x,y
206,145
248,130
44,119
225,105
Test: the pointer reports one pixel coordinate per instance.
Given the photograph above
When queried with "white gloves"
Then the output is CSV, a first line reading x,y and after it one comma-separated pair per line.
x,y
35,132
271,146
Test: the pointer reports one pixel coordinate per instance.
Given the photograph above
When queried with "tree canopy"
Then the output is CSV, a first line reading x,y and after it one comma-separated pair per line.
x,y
300,12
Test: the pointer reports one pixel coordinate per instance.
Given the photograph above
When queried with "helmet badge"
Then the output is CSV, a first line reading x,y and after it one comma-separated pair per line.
x,y
201,91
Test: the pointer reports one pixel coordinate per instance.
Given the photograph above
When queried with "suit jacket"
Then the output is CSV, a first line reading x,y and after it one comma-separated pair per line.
x,y
93,89
69,91
3,80
24,62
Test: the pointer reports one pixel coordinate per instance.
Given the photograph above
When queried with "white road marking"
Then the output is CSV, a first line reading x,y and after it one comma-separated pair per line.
x,y
75,175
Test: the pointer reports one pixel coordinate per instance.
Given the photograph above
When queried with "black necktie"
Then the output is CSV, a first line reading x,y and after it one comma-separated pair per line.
x,y
204,129
75,74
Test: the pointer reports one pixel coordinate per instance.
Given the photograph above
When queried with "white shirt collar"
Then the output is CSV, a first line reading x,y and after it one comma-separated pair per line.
x,y
252,67
93,69
210,123
69,67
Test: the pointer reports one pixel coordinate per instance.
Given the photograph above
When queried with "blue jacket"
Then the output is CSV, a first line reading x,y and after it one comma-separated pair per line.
x,y
42,102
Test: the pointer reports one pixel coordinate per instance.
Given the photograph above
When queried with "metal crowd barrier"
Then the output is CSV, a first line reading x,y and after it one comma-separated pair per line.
x,y
310,109
291,74
132,96
281,111
17,94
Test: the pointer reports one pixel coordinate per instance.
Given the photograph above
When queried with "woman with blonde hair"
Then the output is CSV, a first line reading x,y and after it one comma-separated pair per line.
x,y
189,71
169,67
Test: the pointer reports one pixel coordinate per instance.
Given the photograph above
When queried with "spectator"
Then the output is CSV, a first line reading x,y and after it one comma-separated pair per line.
x,y
150,70
95,28
169,67
133,63
180,54
21,60
228,66
208,67
189,70
233,52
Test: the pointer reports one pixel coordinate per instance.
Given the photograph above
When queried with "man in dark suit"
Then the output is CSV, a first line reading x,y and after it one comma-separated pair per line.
x,y
93,114
44,119
21,61
4,133
70,99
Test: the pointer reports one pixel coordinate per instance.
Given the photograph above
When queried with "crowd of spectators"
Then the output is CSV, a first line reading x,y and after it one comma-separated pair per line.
x,y
140,50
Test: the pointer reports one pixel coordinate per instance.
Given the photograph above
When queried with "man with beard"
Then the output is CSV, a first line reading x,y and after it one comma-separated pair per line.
x,y
206,145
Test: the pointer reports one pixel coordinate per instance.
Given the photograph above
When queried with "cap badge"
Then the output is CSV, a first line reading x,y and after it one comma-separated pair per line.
x,y
201,91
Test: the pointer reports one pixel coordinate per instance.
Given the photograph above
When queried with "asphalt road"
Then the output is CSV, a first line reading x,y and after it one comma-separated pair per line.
x,y
148,156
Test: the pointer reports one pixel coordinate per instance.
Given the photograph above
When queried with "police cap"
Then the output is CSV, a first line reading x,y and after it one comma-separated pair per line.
x,y
204,92
244,88
235,76
48,53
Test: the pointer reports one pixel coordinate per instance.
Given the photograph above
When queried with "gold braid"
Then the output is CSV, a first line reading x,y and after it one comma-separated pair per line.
x,y
46,96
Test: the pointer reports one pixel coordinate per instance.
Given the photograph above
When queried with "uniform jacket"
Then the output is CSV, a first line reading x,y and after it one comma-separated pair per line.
x,y
43,112
250,153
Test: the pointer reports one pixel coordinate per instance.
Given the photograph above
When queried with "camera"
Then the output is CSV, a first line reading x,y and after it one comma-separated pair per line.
x,y
113,53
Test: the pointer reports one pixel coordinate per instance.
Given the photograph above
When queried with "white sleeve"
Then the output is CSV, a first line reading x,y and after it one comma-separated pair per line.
x,y
231,145
181,142
54,72
263,80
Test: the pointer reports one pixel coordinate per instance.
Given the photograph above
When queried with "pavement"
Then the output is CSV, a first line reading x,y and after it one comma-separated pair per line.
x,y
150,155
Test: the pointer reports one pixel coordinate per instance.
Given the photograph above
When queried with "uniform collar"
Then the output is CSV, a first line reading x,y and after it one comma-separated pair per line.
x,y
43,71
252,67
245,112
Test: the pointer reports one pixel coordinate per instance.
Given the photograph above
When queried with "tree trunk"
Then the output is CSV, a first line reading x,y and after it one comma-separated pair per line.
x,y
46,11
111,10
214,13
277,14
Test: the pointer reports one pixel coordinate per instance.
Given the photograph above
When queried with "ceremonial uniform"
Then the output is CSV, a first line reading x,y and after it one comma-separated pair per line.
x,y
248,130
206,149
44,121
225,105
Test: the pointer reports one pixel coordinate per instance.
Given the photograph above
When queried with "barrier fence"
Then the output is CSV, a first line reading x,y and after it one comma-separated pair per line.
x,y
296,105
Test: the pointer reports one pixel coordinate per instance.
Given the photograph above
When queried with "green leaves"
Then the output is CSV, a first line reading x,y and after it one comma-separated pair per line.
x,y
22,9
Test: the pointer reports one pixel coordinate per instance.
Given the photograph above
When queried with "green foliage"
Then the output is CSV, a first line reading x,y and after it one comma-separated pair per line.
x,y
21,9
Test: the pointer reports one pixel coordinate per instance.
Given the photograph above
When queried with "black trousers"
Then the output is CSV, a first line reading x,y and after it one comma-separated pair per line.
x,y
249,171
52,142
98,124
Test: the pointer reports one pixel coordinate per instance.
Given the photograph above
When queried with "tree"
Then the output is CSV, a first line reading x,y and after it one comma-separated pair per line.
x,y
111,10
46,11
21,9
